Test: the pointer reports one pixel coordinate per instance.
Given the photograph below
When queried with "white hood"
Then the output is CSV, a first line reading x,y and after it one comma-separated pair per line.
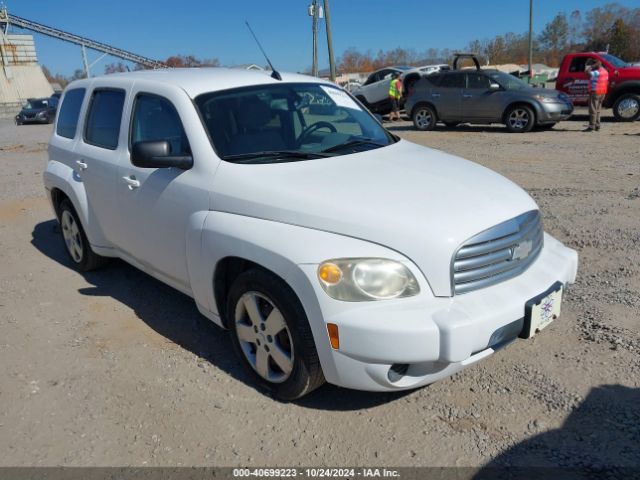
x,y
418,201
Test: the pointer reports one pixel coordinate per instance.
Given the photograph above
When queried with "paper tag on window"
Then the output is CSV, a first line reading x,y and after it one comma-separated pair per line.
x,y
340,98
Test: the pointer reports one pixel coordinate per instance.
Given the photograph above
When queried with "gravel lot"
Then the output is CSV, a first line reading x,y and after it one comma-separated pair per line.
x,y
115,368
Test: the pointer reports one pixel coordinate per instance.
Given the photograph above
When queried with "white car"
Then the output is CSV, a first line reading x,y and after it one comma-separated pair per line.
x,y
329,248
374,92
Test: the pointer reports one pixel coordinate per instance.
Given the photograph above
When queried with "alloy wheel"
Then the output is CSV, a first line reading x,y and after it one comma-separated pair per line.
x,y
518,119
72,237
264,337
423,118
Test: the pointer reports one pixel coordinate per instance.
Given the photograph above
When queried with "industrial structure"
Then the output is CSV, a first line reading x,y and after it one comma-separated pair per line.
x,y
20,75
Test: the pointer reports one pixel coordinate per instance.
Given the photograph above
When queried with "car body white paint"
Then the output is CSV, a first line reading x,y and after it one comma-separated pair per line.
x,y
402,202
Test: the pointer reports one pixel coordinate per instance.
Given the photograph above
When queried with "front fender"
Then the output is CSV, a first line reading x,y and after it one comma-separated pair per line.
x,y
281,248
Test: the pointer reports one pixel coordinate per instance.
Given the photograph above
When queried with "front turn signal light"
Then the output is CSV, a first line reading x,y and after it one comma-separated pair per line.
x,y
334,337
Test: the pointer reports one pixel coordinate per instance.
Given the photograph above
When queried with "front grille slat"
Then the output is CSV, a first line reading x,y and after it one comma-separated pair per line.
x,y
482,260
488,258
498,243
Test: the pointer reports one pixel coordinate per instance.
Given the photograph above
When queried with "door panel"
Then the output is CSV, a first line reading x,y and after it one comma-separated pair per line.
x,y
479,102
96,158
447,97
156,204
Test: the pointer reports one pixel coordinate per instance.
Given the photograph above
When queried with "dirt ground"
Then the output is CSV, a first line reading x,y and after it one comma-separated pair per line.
x,y
115,368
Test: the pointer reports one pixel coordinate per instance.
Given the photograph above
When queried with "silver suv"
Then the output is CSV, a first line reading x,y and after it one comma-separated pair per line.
x,y
484,97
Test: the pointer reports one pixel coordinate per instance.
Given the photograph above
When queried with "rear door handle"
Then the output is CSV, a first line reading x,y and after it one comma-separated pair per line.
x,y
435,95
81,164
131,182
466,95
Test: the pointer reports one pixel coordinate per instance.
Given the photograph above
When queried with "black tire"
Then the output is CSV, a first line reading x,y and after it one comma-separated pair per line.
x,y
519,119
627,107
87,260
424,117
306,373
451,124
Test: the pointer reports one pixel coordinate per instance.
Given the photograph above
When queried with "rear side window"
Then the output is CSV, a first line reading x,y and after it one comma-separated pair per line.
x,y
578,64
477,81
69,113
103,119
452,80
155,118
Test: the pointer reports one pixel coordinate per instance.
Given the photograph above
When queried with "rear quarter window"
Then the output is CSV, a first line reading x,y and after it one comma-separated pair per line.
x,y
103,118
70,112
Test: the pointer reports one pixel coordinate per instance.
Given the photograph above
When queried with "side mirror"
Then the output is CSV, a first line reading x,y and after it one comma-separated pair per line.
x,y
494,86
157,154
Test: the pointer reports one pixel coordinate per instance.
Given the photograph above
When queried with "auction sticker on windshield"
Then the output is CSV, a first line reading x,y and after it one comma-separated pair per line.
x,y
340,98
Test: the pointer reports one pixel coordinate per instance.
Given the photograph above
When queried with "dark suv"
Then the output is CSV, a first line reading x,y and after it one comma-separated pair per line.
x,y
38,110
484,96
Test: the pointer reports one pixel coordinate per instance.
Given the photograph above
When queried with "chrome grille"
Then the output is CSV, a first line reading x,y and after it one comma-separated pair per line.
x,y
497,254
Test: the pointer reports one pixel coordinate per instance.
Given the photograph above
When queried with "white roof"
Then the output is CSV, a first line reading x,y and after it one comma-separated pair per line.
x,y
196,81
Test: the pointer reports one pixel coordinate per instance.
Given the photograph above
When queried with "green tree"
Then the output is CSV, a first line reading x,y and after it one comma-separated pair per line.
x,y
620,40
554,39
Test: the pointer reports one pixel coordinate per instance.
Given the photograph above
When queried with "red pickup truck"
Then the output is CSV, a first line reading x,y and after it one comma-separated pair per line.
x,y
624,83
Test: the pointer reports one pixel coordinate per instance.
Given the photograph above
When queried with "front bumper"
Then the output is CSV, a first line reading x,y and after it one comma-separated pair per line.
x,y
433,337
554,112
19,119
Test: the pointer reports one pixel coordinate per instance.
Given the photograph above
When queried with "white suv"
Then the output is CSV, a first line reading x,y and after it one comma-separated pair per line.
x,y
329,248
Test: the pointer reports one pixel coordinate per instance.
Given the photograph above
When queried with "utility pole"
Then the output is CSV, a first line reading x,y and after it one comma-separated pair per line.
x,y
327,21
314,68
530,40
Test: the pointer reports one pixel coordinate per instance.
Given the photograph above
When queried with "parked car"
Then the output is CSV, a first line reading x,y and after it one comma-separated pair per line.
x,y
374,92
484,97
330,248
38,110
624,83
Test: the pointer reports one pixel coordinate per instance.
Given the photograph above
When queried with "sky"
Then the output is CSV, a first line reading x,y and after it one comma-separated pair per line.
x,y
216,29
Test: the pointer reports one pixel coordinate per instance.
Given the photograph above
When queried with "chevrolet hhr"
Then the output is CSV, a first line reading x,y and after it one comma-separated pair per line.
x,y
330,249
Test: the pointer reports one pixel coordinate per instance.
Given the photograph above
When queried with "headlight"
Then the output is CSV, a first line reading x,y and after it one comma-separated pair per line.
x,y
41,114
545,99
363,279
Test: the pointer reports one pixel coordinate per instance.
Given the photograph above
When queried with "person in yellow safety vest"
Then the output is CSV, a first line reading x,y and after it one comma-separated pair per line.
x,y
395,94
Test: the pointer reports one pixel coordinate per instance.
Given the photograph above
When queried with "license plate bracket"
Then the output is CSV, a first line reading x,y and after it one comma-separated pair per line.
x,y
542,310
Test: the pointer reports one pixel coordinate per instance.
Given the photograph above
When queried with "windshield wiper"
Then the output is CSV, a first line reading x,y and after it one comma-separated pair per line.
x,y
278,154
354,143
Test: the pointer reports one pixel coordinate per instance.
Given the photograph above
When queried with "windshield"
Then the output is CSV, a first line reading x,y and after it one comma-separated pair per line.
x,y
507,81
287,121
35,104
615,61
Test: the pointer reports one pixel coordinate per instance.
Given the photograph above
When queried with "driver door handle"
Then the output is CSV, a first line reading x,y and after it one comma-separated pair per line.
x,y
466,95
435,95
131,182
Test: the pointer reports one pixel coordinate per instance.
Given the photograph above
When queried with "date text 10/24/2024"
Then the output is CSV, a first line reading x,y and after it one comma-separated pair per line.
x,y
316,472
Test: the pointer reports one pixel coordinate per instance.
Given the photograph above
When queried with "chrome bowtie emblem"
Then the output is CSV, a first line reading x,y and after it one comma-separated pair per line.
x,y
521,250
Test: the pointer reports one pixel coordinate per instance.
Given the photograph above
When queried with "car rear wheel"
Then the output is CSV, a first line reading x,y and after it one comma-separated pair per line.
x,y
520,119
271,335
424,117
75,240
627,107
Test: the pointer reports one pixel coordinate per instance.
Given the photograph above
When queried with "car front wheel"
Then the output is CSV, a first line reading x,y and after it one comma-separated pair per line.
x,y
520,119
627,107
271,335
424,117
